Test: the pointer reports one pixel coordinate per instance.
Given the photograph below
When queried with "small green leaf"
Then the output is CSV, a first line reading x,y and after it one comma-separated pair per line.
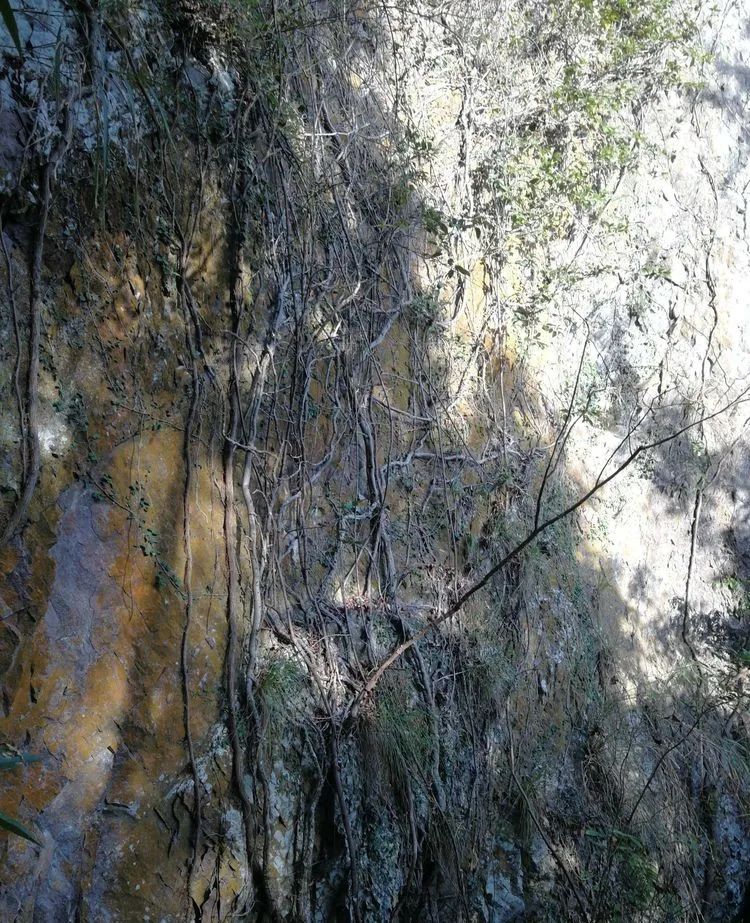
x,y
12,759
9,823
10,24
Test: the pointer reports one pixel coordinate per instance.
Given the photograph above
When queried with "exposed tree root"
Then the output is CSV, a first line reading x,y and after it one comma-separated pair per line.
x,y
31,402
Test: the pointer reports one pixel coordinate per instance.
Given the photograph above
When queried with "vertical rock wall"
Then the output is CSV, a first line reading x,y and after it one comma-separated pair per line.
x,y
300,375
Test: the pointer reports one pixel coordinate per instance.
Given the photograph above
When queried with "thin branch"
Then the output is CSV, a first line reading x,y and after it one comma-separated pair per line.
x,y
548,469
530,538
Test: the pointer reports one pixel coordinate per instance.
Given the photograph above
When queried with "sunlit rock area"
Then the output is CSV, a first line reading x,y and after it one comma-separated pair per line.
x,y
374,480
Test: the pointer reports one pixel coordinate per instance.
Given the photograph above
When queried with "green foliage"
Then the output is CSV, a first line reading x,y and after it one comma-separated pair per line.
x,y
738,591
150,544
548,168
638,872
13,826
400,732
733,584
280,684
423,309
9,21
9,761
490,672
433,221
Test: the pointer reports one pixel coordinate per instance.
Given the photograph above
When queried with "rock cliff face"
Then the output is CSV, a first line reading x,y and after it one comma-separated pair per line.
x,y
374,476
